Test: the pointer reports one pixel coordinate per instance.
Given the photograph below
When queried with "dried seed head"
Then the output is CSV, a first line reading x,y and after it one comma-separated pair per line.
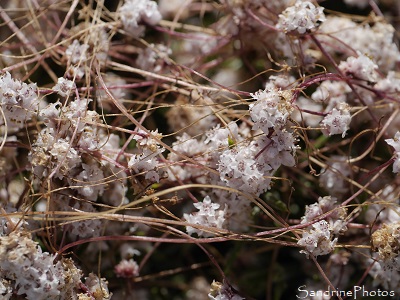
x,y
386,242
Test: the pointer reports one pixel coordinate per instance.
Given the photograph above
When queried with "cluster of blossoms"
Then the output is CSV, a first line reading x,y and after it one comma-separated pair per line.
x,y
303,16
208,215
249,168
145,161
320,238
127,268
18,102
271,110
337,120
140,124
135,12
338,34
213,151
361,67
28,271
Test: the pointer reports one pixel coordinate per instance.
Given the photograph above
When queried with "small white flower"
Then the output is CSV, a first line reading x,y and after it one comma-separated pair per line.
x,y
87,181
318,241
209,215
361,67
395,142
18,101
239,169
153,58
271,109
127,268
134,12
146,162
33,272
64,87
337,121
76,52
336,219
303,16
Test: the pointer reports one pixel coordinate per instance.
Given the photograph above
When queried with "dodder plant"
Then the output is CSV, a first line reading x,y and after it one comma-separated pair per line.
x,y
149,148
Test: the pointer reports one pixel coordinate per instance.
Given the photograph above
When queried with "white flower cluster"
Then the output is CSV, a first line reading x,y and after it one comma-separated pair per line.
x,y
146,161
34,273
319,238
95,44
153,58
209,215
55,142
337,121
280,82
64,87
85,228
360,67
346,36
18,101
395,143
135,12
272,108
249,167
76,54
239,169
332,93
190,147
384,273
127,268
302,17
336,218
65,148
208,151
205,151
